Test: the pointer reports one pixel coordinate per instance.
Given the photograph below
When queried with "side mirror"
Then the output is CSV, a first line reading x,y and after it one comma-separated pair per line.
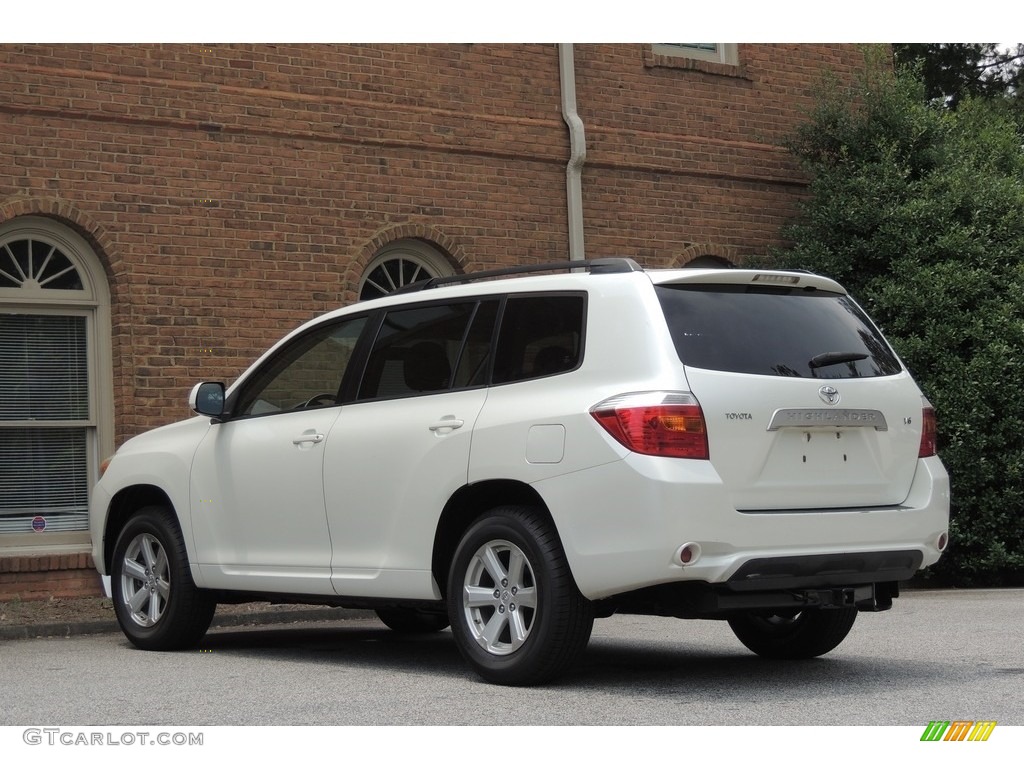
x,y
207,399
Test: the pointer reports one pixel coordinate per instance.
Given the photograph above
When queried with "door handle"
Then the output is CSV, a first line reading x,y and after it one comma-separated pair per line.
x,y
315,438
446,424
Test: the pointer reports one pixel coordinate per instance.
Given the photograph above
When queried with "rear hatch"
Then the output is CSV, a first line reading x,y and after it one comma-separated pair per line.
x,y
806,405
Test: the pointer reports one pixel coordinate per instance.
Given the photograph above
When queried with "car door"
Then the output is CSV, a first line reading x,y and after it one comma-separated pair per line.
x,y
401,449
256,492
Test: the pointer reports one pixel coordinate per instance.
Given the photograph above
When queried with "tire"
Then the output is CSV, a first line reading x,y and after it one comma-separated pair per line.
x,y
156,602
807,634
516,613
410,621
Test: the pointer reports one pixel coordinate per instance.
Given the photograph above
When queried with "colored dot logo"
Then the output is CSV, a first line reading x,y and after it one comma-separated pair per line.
x,y
38,523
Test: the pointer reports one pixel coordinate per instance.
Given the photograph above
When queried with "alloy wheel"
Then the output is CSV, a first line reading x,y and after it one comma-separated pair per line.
x,y
500,597
145,580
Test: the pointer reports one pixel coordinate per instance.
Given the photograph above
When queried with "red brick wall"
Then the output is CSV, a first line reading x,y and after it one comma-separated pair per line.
x,y
38,577
684,154
235,191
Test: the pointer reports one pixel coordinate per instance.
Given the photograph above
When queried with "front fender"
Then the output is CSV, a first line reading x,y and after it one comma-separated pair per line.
x,y
156,463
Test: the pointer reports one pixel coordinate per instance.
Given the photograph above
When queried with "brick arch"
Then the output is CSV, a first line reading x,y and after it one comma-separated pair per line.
x,y
453,251
61,211
727,253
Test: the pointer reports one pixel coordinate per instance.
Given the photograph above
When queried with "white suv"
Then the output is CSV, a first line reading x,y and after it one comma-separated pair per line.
x,y
518,456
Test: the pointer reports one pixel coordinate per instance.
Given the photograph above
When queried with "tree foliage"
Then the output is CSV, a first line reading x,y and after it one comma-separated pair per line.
x,y
953,72
919,211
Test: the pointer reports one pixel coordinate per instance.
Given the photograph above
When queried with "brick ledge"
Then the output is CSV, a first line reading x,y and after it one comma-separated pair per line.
x,y
43,576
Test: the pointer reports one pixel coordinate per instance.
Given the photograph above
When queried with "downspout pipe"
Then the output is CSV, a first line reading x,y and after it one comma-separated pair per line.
x,y
577,151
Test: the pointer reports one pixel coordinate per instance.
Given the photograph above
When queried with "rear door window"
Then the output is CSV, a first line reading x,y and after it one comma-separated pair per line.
x,y
475,361
417,350
774,331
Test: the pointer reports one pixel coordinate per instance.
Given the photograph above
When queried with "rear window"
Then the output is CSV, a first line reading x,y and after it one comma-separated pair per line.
x,y
774,331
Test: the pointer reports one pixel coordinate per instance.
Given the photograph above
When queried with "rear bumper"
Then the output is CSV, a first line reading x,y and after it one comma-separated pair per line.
x,y
623,524
697,600
833,570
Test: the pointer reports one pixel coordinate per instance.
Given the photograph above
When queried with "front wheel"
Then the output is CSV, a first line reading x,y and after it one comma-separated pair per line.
x,y
802,635
155,600
516,613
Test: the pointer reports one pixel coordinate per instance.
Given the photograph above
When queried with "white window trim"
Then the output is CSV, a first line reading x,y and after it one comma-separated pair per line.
x,y
724,53
93,301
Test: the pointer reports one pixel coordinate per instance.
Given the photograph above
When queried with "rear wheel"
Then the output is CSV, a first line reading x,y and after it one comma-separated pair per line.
x,y
155,600
410,621
516,613
801,635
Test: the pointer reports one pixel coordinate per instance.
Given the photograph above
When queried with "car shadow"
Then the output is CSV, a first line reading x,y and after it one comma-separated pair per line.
x,y
656,670
734,672
363,643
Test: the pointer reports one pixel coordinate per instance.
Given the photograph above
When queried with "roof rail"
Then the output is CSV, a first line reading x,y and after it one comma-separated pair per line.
x,y
594,266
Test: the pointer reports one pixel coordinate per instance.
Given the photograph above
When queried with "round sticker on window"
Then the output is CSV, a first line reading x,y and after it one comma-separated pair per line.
x,y
38,523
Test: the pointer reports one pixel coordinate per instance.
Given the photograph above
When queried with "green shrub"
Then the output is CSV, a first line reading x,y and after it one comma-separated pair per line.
x,y
919,212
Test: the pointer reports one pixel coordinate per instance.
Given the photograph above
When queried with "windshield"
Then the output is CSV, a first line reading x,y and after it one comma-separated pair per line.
x,y
774,331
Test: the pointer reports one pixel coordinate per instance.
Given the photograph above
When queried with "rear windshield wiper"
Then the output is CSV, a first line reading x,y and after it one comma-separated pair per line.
x,y
831,358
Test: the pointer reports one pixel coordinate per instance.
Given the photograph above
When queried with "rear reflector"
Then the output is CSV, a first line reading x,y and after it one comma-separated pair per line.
x,y
929,433
656,423
688,554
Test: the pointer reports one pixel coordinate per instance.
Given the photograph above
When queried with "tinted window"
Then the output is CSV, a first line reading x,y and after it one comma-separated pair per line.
x,y
774,331
416,350
306,373
539,336
475,360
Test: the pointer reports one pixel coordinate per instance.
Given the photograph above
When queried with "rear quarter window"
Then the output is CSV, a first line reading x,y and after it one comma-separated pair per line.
x,y
774,331
540,336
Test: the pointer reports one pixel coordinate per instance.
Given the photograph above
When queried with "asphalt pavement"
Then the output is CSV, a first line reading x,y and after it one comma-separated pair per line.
x,y
937,655
42,623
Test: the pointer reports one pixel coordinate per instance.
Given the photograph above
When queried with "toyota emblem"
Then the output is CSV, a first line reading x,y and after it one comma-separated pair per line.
x,y
829,394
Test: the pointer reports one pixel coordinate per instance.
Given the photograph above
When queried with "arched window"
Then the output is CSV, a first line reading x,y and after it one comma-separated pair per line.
x,y
398,264
708,262
55,383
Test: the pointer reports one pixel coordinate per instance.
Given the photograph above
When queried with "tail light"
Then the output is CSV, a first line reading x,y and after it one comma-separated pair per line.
x,y
929,433
656,423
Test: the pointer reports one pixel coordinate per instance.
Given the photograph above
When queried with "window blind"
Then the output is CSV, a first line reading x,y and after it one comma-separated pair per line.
x,y
44,378
44,370
43,472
